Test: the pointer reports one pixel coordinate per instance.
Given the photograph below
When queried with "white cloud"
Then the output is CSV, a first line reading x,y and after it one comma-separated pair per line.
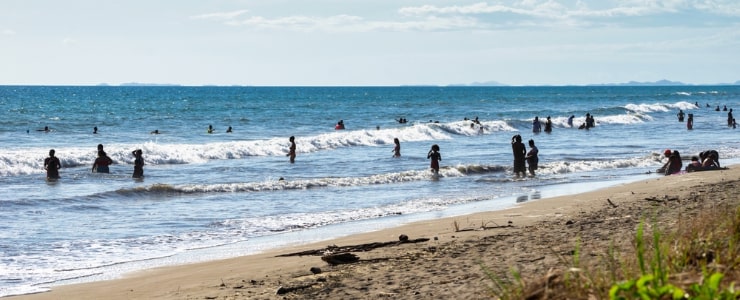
x,y
220,16
301,23
8,32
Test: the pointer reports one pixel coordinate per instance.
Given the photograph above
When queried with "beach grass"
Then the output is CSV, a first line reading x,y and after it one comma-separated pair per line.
x,y
695,257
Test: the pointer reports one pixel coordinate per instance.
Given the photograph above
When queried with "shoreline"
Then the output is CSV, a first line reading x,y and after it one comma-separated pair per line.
x,y
261,275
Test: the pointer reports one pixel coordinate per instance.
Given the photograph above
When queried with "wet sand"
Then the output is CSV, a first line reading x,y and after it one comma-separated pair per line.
x,y
533,238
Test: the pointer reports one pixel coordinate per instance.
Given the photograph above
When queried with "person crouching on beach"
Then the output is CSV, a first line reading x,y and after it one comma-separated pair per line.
x,y
674,164
138,164
435,156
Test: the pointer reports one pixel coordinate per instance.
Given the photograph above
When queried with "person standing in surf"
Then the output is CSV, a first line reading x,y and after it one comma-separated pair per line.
x,y
397,149
532,157
52,165
435,156
536,126
520,152
138,164
548,125
102,162
291,150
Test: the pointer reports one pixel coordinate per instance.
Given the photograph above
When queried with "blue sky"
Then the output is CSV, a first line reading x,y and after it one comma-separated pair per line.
x,y
379,42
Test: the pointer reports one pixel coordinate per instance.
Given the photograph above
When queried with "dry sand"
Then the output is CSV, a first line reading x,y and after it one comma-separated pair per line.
x,y
532,238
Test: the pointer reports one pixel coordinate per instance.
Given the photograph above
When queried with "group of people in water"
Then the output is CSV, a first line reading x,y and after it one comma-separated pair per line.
x,y
690,122
523,161
537,125
100,165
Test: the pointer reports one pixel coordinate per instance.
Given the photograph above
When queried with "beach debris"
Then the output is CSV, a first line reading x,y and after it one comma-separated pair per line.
x,y
665,198
340,258
610,202
315,270
284,290
352,248
403,238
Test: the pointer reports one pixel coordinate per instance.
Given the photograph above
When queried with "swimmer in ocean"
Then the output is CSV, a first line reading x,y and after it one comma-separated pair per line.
x,y
138,164
52,165
291,150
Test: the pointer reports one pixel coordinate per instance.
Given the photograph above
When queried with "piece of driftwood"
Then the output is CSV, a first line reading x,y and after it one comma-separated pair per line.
x,y
340,258
496,227
665,199
352,248
284,290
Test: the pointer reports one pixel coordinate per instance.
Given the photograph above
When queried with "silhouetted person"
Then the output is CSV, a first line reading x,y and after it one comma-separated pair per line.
x,y
52,165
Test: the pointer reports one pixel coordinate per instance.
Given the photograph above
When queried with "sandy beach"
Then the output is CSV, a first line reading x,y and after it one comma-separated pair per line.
x,y
534,238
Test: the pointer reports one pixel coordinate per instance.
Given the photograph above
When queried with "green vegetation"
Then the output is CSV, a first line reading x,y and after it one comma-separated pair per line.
x,y
697,258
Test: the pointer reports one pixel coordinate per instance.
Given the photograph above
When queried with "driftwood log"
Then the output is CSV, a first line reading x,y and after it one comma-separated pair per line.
x,y
353,248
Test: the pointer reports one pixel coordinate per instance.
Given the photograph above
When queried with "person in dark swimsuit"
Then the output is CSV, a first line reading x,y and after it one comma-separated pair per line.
x,y
138,164
52,165
291,151
520,152
435,156
102,162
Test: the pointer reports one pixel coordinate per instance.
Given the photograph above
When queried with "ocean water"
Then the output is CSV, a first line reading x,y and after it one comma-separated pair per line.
x,y
208,196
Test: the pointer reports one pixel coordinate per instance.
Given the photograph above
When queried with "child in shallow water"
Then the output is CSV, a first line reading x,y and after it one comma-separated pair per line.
x,y
435,156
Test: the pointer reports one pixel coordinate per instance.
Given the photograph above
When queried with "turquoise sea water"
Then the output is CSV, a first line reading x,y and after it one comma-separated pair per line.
x,y
208,196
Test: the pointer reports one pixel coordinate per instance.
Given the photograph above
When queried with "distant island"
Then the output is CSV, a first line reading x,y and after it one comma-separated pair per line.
x,y
485,83
140,84
663,82
491,83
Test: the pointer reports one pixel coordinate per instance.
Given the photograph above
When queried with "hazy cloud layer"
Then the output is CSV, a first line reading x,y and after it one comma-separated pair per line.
x,y
509,14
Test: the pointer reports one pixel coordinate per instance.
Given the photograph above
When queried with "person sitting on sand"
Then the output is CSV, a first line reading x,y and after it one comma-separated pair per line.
x,y
709,158
674,165
695,164
667,153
